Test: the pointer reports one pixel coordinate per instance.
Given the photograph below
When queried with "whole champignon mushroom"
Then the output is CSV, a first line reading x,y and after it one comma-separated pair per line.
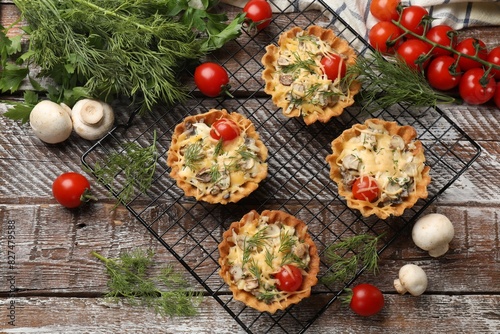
x,y
51,122
433,233
411,279
92,119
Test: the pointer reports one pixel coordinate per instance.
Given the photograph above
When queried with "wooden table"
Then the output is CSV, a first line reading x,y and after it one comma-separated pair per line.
x,y
51,284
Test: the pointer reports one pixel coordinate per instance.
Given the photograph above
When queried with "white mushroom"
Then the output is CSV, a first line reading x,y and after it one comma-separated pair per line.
x,y
411,279
92,119
433,233
51,122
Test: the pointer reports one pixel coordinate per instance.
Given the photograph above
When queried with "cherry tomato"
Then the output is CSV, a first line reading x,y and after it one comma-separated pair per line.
x,y
71,189
211,79
494,58
259,12
383,37
443,35
385,10
334,67
412,19
366,300
412,50
224,129
468,46
289,278
365,188
496,97
471,89
442,73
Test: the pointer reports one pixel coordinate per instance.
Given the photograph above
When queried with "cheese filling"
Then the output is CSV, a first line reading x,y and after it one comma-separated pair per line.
x,y
384,157
260,251
216,167
301,77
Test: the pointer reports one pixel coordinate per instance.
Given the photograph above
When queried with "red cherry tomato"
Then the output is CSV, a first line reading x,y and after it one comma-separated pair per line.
x,y
224,129
494,58
211,79
411,51
259,12
366,300
383,37
334,66
441,73
443,35
412,19
71,189
471,89
468,46
496,97
289,278
385,10
365,188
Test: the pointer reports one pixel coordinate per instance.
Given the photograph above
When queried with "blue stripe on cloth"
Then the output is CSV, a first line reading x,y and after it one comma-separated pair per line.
x,y
467,14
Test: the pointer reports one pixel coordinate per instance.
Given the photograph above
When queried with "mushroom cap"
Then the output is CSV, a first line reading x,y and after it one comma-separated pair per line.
x,y
92,119
411,279
433,233
50,122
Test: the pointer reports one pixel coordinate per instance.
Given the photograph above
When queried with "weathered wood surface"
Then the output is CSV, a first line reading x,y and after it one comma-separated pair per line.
x,y
59,286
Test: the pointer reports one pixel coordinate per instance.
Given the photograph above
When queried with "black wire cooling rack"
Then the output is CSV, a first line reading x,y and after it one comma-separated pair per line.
x,y
298,177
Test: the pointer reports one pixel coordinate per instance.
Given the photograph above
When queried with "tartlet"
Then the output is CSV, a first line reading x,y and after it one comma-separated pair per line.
x,y
294,76
263,245
387,153
217,170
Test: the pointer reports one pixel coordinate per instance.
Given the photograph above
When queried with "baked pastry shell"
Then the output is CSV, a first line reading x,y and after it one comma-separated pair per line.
x,y
270,59
408,133
309,280
209,118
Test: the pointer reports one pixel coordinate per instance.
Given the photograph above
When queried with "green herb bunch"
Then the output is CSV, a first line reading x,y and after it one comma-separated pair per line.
x,y
128,278
350,255
130,48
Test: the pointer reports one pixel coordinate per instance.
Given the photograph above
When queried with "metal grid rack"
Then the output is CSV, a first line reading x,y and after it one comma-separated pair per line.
x,y
298,177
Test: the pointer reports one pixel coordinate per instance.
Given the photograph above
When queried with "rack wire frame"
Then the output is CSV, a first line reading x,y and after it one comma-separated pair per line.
x,y
298,178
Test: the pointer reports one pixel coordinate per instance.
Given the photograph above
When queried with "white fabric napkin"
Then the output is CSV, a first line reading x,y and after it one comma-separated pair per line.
x,y
456,13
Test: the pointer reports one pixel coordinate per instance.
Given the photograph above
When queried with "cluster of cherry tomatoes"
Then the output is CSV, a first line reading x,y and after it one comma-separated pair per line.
x,y
448,63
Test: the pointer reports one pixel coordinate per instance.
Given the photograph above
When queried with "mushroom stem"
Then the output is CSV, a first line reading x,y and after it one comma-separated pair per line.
x,y
92,112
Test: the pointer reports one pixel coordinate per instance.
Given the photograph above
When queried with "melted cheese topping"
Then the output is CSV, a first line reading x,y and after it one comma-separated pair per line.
x,y
384,157
217,167
260,251
307,88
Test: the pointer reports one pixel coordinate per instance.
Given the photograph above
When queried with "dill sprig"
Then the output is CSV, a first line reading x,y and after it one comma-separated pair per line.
x,y
349,255
255,241
136,164
193,155
390,81
128,279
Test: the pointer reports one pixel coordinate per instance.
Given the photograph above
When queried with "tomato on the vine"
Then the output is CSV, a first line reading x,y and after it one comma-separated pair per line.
x,y
412,18
385,10
443,73
224,129
470,46
289,278
384,37
494,58
473,90
259,12
334,66
443,35
365,188
412,52
366,300
71,189
211,79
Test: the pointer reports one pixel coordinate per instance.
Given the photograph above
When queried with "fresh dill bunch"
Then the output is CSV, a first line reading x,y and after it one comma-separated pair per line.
x,y
349,255
136,164
129,279
390,81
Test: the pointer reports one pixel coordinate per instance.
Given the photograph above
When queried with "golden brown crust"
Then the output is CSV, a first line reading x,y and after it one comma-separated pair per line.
x,y
271,76
248,298
408,134
175,157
